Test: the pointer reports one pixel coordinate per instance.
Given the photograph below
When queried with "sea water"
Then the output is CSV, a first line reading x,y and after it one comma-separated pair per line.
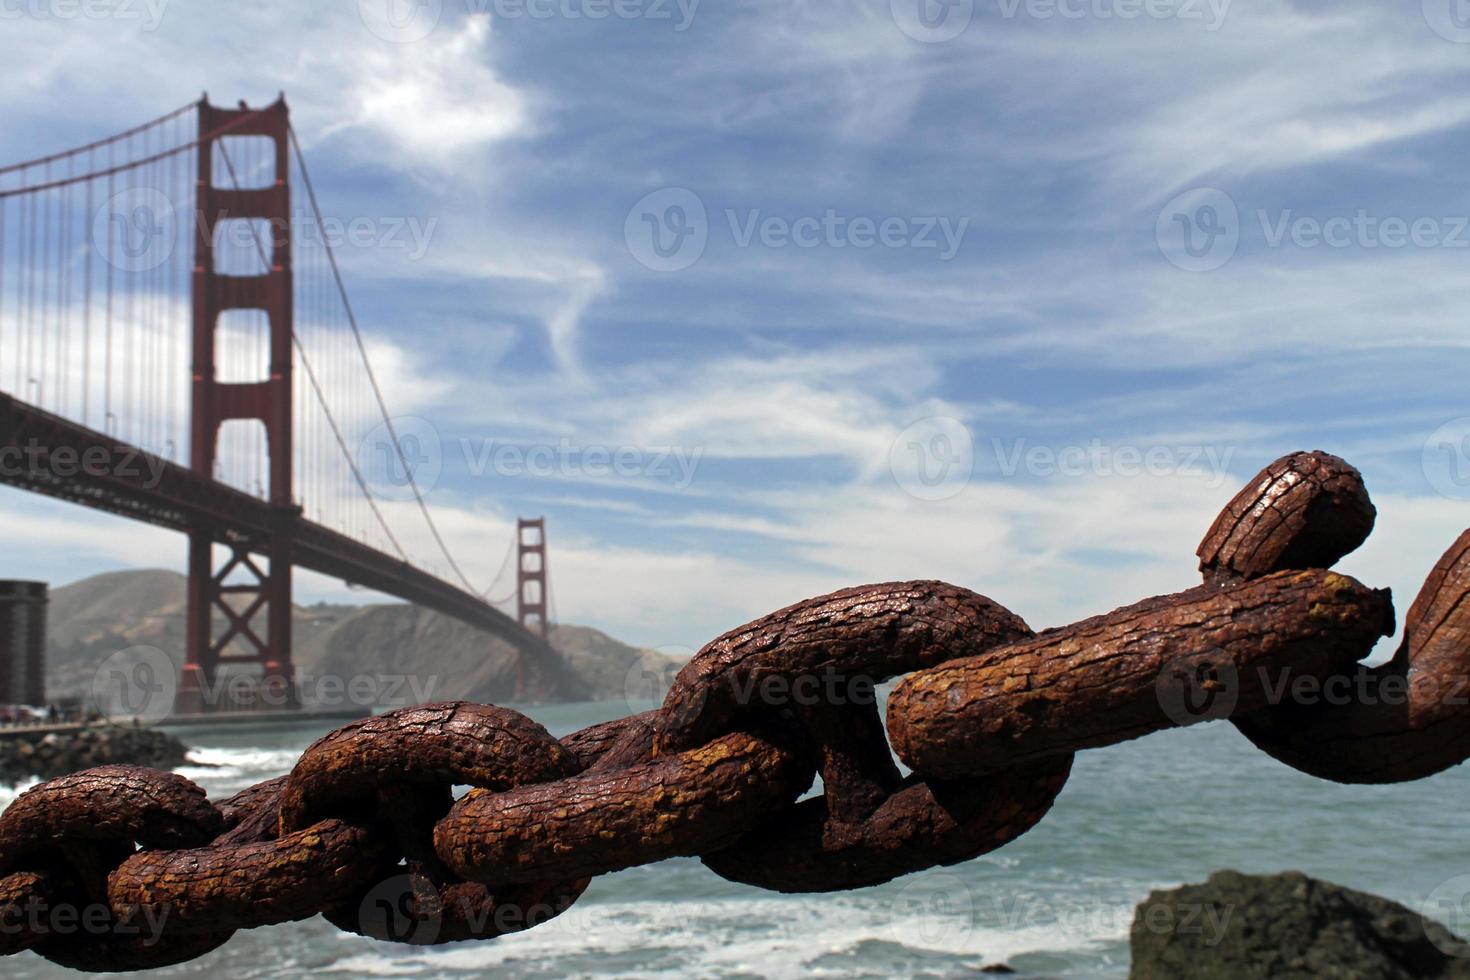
x,y
1151,813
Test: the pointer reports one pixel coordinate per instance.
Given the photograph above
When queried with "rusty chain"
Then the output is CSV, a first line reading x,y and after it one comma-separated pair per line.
x,y
366,830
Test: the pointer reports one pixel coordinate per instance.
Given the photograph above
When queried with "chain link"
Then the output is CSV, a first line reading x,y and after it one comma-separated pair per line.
x,y
365,829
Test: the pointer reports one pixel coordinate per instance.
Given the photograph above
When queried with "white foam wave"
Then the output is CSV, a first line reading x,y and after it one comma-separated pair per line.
x,y
765,937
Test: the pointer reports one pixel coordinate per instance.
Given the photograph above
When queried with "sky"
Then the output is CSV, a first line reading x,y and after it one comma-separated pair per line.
x,y
757,300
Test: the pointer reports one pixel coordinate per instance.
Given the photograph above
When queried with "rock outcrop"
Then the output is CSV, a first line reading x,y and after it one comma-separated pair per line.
x,y
1287,927
26,754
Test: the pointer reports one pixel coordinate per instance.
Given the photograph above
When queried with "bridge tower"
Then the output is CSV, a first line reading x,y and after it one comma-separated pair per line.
x,y
531,576
255,586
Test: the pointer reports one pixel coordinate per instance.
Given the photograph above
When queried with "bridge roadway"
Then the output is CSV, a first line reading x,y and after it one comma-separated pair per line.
x,y
47,454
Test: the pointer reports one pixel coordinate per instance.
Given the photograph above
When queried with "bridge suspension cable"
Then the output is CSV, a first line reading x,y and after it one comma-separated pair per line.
x,y
372,378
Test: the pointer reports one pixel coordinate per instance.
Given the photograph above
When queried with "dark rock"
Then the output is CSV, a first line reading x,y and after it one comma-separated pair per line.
x,y
23,755
1253,927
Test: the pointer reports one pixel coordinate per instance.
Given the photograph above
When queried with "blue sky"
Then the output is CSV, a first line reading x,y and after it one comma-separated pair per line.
x,y
899,247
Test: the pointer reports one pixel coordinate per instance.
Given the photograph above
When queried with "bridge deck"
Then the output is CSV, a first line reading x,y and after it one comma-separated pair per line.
x,y
47,454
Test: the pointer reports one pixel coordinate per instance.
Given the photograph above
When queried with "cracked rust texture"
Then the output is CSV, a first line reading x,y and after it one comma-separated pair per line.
x,y
18,892
435,744
109,805
606,820
920,825
244,885
613,744
872,632
1306,510
1412,717
1096,682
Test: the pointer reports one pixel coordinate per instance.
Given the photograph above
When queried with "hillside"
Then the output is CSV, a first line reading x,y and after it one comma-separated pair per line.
x,y
414,651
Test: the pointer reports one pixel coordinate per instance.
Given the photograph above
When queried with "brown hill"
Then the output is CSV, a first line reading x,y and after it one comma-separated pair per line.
x,y
395,653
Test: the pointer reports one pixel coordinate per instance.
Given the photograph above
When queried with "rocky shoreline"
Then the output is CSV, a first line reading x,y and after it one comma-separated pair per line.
x,y
47,754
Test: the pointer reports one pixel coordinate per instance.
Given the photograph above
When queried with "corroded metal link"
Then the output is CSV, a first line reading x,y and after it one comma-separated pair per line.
x,y
823,658
253,814
613,744
864,634
440,744
1098,682
20,893
244,885
1406,719
401,765
604,820
1306,510
923,823
88,823
106,805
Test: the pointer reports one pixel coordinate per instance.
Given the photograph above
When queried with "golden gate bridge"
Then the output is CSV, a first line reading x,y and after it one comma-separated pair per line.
x,y
178,346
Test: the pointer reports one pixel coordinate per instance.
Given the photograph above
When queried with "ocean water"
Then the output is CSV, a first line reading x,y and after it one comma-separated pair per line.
x,y
1156,812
